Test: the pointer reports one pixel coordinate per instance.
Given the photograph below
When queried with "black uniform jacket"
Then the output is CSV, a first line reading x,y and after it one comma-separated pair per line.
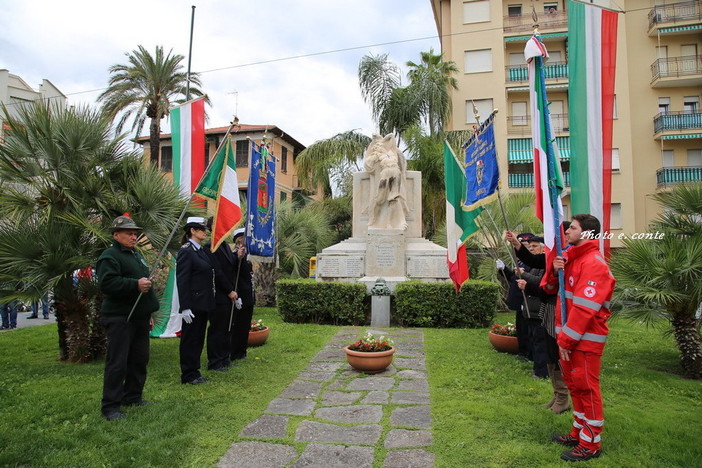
x,y
225,273
195,276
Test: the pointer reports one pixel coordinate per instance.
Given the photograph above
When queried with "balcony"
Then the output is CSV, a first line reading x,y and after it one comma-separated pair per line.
x,y
525,180
521,150
677,125
552,71
685,16
521,124
554,20
673,175
677,71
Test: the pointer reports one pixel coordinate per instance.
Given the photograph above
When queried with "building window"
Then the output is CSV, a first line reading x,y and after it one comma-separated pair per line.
x,y
566,213
484,107
207,154
283,196
166,158
663,105
519,114
242,153
615,220
478,61
615,159
694,157
476,12
284,160
668,158
514,10
691,104
550,8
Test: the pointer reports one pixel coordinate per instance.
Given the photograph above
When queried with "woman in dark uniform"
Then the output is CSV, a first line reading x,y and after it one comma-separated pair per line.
x,y
195,276
243,279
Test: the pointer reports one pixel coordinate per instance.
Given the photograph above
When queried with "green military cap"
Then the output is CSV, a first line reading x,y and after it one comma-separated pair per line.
x,y
124,222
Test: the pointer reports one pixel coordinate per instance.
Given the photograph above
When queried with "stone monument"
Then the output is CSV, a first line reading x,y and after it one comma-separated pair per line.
x,y
387,237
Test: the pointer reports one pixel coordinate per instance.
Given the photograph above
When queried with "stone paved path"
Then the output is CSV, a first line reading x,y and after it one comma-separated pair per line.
x,y
339,415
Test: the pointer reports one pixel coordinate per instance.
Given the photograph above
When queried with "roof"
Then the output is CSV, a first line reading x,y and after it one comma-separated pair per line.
x,y
241,129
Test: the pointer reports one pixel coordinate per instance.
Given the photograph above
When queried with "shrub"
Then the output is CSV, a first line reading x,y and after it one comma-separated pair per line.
x,y
420,304
310,301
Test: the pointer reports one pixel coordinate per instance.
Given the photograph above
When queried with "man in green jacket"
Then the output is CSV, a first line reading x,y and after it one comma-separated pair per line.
x,y
123,277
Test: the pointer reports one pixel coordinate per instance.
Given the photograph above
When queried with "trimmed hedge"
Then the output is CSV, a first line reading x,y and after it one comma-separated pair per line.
x,y
437,305
310,301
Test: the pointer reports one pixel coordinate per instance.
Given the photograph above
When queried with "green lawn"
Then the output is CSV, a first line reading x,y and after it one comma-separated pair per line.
x,y
485,407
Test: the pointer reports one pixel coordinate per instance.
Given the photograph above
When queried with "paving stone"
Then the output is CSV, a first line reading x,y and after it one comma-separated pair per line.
x,y
331,398
387,372
398,438
334,456
410,363
412,416
257,455
415,385
324,366
366,434
302,389
266,427
292,407
409,345
403,398
330,355
414,353
336,385
349,337
337,345
351,414
376,397
317,376
371,383
413,458
412,374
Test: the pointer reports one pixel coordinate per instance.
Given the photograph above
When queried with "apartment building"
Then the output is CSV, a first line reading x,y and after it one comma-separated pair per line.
x,y
284,147
657,134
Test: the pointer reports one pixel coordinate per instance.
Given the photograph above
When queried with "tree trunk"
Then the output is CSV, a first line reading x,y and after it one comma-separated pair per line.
x,y
64,287
154,139
687,337
265,276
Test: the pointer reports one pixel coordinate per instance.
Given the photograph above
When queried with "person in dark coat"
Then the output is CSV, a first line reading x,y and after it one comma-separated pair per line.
x,y
195,277
218,332
123,278
243,283
515,299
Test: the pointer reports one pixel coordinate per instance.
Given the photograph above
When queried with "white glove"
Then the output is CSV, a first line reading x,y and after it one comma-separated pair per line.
x,y
500,264
188,316
238,303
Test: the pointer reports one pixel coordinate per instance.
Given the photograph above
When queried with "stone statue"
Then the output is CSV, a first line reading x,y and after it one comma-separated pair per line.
x,y
386,165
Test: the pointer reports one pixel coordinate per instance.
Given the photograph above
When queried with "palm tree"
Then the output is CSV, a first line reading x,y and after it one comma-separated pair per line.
x,y
64,180
662,279
146,87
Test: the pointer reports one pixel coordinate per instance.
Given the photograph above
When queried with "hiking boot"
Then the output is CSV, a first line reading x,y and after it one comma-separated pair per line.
x,y
580,453
565,439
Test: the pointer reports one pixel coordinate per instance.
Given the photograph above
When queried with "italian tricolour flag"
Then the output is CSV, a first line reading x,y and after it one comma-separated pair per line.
x,y
592,34
188,139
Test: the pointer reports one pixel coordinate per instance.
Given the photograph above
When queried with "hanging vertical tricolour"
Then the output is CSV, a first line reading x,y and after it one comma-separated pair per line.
x,y
592,33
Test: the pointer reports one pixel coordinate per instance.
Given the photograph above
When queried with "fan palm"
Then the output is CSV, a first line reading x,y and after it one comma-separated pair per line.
x,y
146,87
64,180
662,279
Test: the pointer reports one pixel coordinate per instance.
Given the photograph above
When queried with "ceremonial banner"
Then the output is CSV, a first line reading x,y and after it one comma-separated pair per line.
x,y
592,36
260,226
220,184
461,223
481,171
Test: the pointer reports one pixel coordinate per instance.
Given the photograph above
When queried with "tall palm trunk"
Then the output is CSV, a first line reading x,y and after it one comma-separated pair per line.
x,y
687,337
154,138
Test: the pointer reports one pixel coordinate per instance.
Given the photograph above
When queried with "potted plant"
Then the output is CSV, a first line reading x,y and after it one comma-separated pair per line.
x,y
258,333
370,354
504,338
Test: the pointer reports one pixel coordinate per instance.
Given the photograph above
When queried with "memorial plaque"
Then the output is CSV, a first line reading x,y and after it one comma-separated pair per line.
x,y
427,267
385,255
340,266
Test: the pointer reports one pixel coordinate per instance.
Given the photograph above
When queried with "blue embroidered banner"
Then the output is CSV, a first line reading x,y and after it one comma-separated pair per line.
x,y
481,170
260,198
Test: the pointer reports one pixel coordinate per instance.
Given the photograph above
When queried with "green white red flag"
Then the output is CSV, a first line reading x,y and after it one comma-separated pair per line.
x,y
460,224
592,38
221,185
188,137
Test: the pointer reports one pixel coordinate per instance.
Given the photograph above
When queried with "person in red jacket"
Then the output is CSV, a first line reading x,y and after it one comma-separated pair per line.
x,y
581,339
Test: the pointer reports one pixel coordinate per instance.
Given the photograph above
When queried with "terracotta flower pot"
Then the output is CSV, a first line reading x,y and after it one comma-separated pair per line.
x,y
257,338
369,363
504,344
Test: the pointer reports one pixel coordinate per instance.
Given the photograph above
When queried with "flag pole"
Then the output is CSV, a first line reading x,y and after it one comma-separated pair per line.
x,y
182,215
190,54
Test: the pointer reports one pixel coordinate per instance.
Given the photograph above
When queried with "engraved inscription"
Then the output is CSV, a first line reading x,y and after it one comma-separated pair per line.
x,y
427,267
385,255
340,267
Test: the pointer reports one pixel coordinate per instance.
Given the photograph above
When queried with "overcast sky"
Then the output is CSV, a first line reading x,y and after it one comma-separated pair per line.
x,y
72,43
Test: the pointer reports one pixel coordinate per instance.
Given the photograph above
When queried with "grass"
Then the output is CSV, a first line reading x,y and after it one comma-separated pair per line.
x,y
485,407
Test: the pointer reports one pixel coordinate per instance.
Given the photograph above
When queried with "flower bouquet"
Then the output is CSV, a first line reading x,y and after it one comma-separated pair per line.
x,y
257,325
370,354
505,330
